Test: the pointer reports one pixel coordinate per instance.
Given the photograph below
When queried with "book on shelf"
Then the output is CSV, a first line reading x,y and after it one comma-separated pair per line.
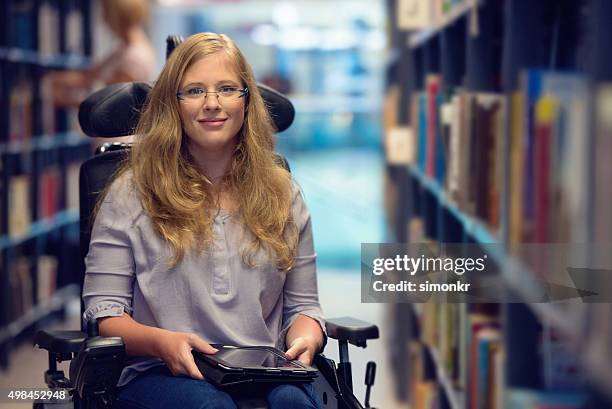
x,y
568,187
420,101
415,230
390,104
517,163
74,31
432,86
431,113
20,16
46,277
47,107
560,366
530,86
462,130
49,192
483,391
555,152
20,111
485,146
454,118
20,283
19,213
416,364
399,145
484,341
48,34
425,395
544,112
443,129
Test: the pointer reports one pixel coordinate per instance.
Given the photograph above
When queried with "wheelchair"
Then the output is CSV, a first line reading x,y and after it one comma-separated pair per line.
x,y
96,362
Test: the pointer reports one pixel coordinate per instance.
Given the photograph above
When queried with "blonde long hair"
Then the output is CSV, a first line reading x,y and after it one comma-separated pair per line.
x,y
121,15
173,191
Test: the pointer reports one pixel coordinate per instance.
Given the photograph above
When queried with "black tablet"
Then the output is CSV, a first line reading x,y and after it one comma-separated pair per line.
x,y
234,364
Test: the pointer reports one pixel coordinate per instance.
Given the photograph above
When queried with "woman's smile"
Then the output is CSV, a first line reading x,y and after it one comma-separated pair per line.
x,y
213,123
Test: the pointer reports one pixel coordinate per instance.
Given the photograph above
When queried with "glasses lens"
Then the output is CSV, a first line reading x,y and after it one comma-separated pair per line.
x,y
228,93
223,94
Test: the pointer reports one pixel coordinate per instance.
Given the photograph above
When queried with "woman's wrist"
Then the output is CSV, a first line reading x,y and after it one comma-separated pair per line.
x,y
159,340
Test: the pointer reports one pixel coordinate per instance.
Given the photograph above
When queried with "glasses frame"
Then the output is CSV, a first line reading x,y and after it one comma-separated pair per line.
x,y
243,92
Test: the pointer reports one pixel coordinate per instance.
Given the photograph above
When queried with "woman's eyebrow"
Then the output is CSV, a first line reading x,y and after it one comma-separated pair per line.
x,y
201,84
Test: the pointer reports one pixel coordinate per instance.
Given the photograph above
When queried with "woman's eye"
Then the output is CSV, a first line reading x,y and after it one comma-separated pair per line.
x,y
195,91
228,90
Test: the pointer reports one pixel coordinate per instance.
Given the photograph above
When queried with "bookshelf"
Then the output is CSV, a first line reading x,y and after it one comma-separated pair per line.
x,y
508,74
41,149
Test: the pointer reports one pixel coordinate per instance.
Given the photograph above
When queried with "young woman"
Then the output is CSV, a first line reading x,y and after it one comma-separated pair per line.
x,y
203,238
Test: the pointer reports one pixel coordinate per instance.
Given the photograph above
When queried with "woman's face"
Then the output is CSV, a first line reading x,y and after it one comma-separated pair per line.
x,y
211,121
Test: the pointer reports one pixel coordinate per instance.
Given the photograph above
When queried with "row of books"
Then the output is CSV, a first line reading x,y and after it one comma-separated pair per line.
x,y
24,289
22,95
50,192
460,140
469,343
28,17
459,143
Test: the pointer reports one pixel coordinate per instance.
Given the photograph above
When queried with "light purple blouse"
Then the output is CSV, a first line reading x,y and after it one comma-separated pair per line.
x,y
212,294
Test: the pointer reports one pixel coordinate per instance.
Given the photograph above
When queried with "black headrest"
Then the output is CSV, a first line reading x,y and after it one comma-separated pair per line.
x,y
115,110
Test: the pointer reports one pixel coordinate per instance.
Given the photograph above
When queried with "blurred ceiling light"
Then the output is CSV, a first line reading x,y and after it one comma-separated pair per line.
x,y
265,34
285,14
338,39
299,38
376,40
171,3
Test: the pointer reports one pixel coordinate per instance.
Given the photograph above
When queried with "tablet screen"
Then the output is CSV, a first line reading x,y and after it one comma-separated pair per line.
x,y
250,358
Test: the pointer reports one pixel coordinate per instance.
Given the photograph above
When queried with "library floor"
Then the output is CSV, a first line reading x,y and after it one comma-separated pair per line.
x,y
343,192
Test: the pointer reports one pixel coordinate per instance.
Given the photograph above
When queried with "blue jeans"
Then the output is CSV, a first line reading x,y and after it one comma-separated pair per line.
x,y
157,388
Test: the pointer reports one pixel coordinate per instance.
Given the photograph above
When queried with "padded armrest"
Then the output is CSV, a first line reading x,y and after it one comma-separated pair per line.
x,y
61,342
350,329
97,367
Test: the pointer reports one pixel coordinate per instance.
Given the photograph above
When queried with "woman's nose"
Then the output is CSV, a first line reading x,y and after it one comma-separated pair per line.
x,y
211,101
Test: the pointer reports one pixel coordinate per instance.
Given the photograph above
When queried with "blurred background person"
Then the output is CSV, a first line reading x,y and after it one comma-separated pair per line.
x,y
133,59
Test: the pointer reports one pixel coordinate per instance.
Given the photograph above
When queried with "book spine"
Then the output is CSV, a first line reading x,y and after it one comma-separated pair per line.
x,y
432,128
545,108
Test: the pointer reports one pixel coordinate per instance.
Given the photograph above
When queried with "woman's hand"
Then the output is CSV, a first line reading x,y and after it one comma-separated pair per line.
x,y
174,348
303,349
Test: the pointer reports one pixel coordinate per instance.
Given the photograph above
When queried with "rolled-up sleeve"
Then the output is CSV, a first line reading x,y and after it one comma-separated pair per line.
x,y
109,275
300,294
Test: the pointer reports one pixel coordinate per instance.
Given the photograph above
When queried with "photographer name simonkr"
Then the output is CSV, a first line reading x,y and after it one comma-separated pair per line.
x,y
407,286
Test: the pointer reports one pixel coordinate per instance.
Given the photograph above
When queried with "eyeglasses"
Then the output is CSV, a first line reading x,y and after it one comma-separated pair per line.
x,y
224,94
